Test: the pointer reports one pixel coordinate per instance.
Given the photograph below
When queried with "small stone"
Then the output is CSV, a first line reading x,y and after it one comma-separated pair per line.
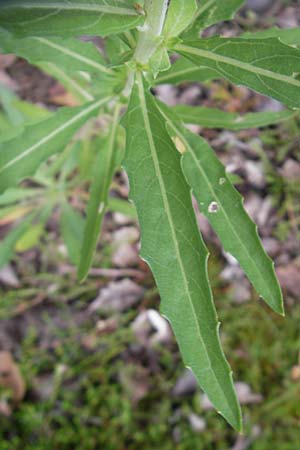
x,y
197,423
117,296
290,170
125,256
289,277
185,385
255,174
8,277
259,6
125,234
151,328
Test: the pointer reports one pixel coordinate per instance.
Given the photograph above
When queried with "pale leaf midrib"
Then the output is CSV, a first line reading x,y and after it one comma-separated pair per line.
x,y
82,92
204,8
169,216
240,64
176,74
54,133
74,55
216,197
235,120
83,7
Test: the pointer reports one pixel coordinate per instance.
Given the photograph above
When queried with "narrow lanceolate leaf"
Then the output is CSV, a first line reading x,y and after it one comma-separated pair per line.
x,y
103,173
22,155
69,54
216,118
67,17
289,36
265,65
73,83
72,225
211,12
184,70
223,206
9,242
173,247
180,15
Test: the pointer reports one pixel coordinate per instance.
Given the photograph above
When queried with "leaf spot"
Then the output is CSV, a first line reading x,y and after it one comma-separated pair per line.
x,y
101,208
222,181
213,207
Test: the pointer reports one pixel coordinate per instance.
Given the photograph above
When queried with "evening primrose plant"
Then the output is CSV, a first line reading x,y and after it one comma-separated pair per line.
x,y
165,162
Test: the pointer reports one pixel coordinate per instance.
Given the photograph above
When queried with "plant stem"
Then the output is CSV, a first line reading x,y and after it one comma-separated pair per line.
x,y
150,33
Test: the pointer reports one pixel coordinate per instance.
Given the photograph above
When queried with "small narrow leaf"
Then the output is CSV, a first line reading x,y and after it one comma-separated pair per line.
x,y
103,173
72,226
173,247
211,12
223,206
122,206
184,70
265,65
289,36
30,238
22,155
68,17
15,195
76,87
180,15
9,242
216,118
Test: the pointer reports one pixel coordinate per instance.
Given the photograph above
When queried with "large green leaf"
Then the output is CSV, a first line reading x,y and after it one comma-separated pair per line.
x,y
180,15
211,12
265,65
102,177
185,70
22,155
68,17
223,206
216,118
173,247
69,54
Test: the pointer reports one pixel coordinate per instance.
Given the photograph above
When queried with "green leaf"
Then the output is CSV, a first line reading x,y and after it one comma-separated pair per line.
x,y
105,165
180,15
289,36
30,238
15,195
266,65
216,118
160,61
68,17
7,99
74,86
184,70
9,242
22,155
222,205
174,249
69,54
122,206
211,12
72,226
